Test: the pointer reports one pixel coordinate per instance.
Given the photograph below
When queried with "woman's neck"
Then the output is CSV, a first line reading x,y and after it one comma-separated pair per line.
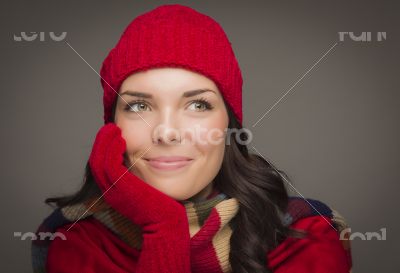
x,y
206,193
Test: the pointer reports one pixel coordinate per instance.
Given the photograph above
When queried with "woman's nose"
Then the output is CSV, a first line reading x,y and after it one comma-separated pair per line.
x,y
167,129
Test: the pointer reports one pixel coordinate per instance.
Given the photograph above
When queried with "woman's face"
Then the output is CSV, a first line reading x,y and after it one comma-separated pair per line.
x,y
161,114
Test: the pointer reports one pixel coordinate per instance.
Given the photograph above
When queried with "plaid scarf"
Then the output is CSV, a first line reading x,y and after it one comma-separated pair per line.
x,y
209,221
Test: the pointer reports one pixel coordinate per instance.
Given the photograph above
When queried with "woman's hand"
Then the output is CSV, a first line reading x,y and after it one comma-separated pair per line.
x,y
127,193
165,228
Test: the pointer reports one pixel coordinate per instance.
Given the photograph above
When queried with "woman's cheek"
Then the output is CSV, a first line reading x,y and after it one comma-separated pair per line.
x,y
213,132
134,138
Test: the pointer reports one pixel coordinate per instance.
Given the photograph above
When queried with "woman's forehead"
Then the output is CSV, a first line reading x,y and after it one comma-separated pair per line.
x,y
168,81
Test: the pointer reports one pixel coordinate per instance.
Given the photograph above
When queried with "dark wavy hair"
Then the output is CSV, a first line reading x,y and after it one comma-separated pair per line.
x,y
259,188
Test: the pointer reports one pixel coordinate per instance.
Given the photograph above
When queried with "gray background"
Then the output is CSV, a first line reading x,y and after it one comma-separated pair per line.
x,y
335,133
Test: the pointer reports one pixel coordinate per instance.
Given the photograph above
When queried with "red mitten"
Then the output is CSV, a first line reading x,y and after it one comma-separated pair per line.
x,y
166,239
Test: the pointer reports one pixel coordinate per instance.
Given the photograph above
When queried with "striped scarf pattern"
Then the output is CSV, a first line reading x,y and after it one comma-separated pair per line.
x,y
209,226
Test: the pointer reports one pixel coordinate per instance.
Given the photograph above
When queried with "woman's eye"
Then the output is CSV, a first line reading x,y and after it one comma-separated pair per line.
x,y
136,107
201,105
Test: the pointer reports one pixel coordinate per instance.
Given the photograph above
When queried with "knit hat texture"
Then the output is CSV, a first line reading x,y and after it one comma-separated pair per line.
x,y
173,35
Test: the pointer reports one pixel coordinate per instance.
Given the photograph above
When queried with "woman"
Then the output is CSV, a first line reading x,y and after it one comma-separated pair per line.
x,y
169,184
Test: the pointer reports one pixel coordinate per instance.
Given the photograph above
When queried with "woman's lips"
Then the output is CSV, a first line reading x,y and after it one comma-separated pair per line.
x,y
168,163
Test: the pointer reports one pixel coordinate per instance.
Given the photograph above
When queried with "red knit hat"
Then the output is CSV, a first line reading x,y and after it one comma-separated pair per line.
x,y
173,35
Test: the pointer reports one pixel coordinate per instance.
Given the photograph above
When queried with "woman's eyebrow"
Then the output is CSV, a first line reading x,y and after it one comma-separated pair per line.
x,y
186,94
196,92
137,94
